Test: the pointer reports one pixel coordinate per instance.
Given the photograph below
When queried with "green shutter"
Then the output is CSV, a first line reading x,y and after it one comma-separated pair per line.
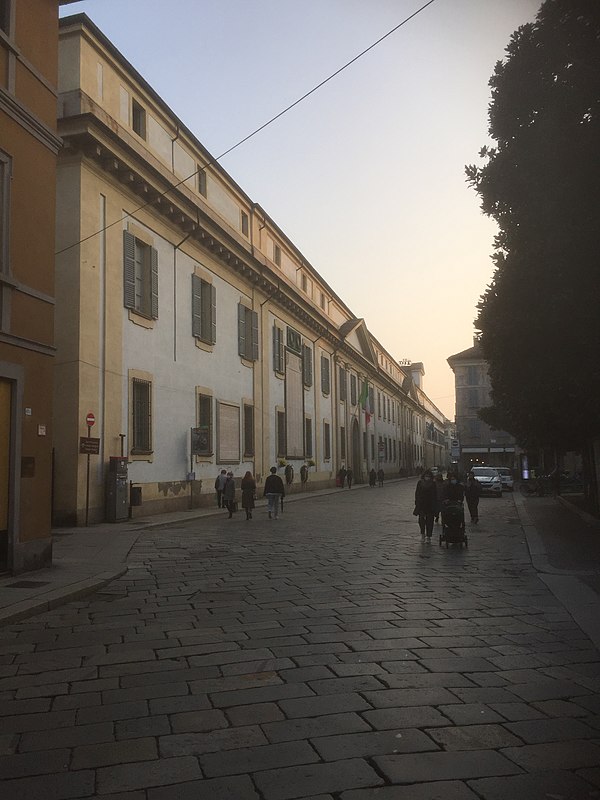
x,y
254,317
154,283
196,306
242,330
128,270
213,314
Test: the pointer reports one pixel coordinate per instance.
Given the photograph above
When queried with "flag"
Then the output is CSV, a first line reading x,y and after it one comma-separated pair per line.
x,y
364,401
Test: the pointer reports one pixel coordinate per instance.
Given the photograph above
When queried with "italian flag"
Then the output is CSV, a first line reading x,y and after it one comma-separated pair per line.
x,y
364,401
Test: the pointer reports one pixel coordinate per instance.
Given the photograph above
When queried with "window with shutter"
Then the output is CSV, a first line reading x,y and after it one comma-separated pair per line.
x,y
205,425
325,381
342,442
326,441
307,365
278,362
138,119
204,306
353,385
308,437
247,333
248,431
140,276
141,392
343,384
281,434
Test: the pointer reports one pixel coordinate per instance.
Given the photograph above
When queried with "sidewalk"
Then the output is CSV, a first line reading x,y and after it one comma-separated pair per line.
x,y
86,559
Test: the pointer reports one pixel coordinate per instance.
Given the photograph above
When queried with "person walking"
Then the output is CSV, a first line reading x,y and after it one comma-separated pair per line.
x,y
472,495
219,486
372,477
274,491
349,476
342,476
380,476
426,503
248,492
229,494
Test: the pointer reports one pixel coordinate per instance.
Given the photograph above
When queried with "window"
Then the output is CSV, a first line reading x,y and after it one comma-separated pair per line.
x,y
342,442
5,16
281,434
278,362
248,430
372,447
304,281
141,392
343,384
308,443
138,118
307,367
472,376
247,333
326,441
294,340
325,379
372,399
379,405
205,425
204,310
474,428
384,403
394,446
245,224
277,254
5,170
353,389
228,433
202,181
140,273
472,398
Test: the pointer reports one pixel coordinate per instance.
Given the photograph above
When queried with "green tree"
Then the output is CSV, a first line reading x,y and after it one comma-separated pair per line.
x,y
540,316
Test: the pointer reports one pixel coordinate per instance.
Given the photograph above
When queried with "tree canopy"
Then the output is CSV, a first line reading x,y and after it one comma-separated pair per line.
x,y
540,316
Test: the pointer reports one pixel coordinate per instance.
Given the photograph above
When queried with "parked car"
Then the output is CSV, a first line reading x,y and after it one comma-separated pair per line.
x,y
506,477
490,480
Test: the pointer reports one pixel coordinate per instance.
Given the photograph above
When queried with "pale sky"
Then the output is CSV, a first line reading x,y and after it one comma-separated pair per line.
x,y
366,176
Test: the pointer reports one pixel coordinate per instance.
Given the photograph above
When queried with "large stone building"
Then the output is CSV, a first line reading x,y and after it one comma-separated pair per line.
x,y
479,444
189,325
28,148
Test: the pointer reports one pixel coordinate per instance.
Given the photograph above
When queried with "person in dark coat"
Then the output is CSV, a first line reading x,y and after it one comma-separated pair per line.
x,y
454,491
372,478
349,476
229,494
219,486
274,491
380,476
342,477
472,495
426,503
248,492
440,491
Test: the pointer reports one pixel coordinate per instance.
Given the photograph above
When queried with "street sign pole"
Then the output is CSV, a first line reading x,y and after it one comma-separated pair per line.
x,y
90,420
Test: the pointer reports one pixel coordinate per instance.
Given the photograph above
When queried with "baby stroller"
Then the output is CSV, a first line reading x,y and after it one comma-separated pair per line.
x,y
453,524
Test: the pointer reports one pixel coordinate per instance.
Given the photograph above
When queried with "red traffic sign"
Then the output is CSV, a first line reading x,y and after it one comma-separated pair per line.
x,y
90,419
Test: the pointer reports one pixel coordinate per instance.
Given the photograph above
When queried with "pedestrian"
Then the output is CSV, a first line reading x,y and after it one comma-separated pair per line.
x,y
372,477
219,486
454,491
380,476
425,503
472,495
274,491
248,493
229,494
349,476
341,476
440,492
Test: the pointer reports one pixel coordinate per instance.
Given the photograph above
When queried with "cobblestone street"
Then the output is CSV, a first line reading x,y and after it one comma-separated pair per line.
x,y
327,654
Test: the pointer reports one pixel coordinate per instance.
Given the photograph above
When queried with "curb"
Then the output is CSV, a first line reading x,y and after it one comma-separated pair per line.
x,y
585,515
58,597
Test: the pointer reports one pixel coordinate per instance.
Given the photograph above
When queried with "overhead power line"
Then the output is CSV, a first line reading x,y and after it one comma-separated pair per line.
x,y
257,130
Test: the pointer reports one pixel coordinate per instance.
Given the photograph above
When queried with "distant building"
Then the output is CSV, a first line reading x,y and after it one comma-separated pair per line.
x,y
189,324
479,444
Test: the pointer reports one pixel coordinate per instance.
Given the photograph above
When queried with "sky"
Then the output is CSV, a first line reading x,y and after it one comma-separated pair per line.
x,y
366,176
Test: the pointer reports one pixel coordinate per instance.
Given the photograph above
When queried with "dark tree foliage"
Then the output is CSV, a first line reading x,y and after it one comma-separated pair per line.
x,y
540,316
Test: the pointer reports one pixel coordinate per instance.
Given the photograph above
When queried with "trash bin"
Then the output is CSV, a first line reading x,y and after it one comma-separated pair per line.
x,y
135,496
